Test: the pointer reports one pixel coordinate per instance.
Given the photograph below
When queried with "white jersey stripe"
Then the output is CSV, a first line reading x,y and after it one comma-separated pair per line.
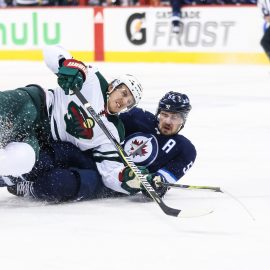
x,y
168,176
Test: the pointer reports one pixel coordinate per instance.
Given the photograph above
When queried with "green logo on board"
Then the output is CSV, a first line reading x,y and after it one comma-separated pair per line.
x,y
34,32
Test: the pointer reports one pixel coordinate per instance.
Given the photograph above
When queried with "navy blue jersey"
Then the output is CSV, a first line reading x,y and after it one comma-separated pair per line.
x,y
170,156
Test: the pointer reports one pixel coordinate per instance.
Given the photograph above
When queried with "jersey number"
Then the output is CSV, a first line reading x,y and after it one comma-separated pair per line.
x,y
187,167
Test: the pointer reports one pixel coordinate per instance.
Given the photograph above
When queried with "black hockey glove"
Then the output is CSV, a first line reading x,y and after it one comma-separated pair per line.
x,y
129,181
71,75
156,181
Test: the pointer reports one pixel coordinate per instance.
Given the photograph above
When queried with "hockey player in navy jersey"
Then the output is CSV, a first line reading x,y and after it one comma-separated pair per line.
x,y
153,142
265,41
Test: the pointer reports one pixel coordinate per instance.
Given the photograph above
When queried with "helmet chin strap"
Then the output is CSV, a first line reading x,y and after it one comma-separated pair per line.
x,y
181,127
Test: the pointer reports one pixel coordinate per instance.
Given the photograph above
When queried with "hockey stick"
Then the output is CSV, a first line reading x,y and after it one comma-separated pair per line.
x,y
127,160
191,187
211,188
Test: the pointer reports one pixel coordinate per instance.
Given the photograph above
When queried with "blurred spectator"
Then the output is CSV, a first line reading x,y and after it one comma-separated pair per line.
x,y
114,3
218,2
265,41
175,5
32,3
28,3
105,2
3,3
94,3
67,2
8,2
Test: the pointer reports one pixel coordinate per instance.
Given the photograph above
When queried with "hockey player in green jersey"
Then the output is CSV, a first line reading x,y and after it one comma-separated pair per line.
x,y
32,117
151,140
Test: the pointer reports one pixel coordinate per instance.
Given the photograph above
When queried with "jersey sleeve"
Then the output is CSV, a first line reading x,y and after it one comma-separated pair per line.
x,y
178,166
52,55
109,166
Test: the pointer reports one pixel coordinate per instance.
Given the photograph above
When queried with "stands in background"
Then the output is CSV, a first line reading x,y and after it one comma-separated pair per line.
x,y
9,3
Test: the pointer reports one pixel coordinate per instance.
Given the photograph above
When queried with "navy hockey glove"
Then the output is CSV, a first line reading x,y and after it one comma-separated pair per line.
x,y
156,181
71,75
129,181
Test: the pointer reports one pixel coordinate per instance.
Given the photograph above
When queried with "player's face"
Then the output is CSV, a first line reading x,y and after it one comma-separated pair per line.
x,y
120,98
169,123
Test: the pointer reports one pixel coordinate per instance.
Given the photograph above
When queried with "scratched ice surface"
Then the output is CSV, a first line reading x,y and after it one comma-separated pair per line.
x,y
230,127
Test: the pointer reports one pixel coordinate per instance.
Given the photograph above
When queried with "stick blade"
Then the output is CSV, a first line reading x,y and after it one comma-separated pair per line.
x,y
171,211
194,212
184,213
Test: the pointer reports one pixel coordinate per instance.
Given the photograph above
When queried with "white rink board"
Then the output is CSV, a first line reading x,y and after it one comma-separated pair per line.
x,y
32,29
205,29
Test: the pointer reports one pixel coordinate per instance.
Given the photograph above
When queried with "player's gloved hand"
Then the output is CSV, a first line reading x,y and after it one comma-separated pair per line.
x,y
129,181
71,75
156,181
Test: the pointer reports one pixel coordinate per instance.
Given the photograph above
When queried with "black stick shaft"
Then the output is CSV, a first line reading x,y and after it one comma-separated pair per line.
x,y
127,160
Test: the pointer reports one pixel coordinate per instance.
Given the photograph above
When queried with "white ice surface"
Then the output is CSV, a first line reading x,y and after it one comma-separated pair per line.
x,y
230,127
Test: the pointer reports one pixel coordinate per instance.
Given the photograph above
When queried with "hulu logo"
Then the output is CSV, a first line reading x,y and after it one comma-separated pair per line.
x,y
20,34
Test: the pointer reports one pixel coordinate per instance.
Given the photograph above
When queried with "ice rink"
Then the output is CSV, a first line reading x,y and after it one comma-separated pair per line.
x,y
230,127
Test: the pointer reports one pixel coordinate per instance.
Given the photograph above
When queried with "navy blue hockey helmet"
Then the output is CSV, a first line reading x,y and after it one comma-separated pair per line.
x,y
175,102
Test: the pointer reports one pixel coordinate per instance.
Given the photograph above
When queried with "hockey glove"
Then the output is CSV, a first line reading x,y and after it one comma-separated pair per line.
x,y
71,75
156,181
129,181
